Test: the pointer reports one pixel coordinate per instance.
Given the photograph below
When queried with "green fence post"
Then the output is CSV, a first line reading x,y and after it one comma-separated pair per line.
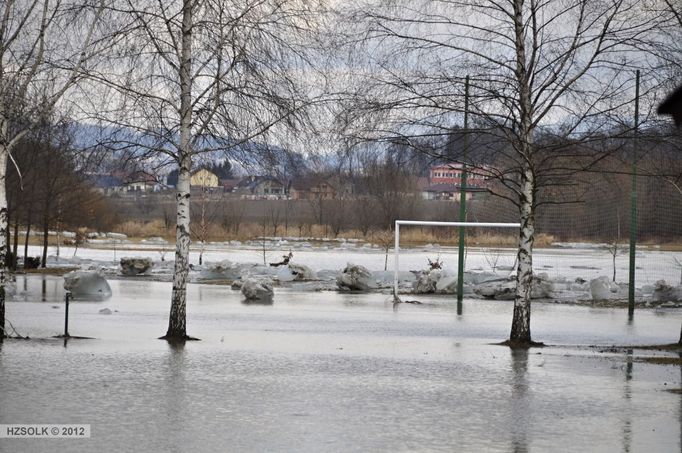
x,y
633,210
462,201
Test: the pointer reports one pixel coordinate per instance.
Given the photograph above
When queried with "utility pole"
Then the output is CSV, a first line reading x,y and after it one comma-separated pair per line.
x,y
633,209
463,200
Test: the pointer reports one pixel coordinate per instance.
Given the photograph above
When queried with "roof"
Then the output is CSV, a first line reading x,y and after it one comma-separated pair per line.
x,y
140,176
229,183
307,183
442,188
250,182
105,181
451,166
672,105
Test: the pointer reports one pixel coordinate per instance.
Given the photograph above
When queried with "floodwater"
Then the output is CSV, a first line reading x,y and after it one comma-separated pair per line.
x,y
333,372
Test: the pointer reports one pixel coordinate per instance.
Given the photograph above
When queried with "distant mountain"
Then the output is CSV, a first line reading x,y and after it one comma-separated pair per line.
x,y
118,146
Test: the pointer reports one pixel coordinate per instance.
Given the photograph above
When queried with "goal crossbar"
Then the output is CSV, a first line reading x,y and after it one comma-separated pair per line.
x,y
398,223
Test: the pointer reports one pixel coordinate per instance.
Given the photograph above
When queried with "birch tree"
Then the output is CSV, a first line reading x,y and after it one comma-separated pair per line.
x,y
201,76
45,46
559,68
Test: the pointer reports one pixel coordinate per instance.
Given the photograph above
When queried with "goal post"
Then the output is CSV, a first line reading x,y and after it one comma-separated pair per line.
x,y
398,223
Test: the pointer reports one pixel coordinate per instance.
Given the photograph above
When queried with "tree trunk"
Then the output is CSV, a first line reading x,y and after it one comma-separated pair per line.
x,y
28,233
15,244
520,331
4,152
8,263
177,322
177,330
46,242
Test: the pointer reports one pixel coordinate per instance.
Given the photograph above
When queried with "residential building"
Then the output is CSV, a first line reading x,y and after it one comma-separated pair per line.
x,y
452,174
445,182
312,188
260,187
141,181
202,178
229,184
106,184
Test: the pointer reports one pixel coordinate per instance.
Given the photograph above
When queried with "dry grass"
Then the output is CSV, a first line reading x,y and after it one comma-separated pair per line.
x,y
48,270
409,236
137,229
413,236
660,360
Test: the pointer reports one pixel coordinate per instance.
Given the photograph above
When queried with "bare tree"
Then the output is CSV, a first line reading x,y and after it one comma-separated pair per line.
x,y
386,240
44,46
233,215
206,213
190,77
319,209
614,247
554,68
338,215
392,187
363,211
168,215
274,216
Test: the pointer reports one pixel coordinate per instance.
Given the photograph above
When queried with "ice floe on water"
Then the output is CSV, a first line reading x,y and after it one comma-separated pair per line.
x,y
572,273
86,284
136,265
257,290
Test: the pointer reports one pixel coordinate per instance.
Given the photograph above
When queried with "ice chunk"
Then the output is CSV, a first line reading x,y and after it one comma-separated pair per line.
x,y
302,272
602,288
355,278
426,281
284,274
253,289
224,270
135,265
501,289
86,284
447,284
666,293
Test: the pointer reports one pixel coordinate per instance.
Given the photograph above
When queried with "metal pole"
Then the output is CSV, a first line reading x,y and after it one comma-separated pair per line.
x,y
463,201
397,263
459,224
633,210
67,297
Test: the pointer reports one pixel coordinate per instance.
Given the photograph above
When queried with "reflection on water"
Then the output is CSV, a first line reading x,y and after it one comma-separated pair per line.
x,y
261,301
333,372
519,400
627,419
680,399
177,392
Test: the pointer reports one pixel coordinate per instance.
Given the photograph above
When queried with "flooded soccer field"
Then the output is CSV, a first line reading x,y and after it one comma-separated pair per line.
x,y
328,371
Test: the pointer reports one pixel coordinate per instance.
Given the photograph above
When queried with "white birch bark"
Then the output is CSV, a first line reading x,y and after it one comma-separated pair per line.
x,y
4,154
520,331
177,324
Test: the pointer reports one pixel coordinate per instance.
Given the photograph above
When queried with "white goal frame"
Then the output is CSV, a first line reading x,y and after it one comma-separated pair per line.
x,y
396,250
